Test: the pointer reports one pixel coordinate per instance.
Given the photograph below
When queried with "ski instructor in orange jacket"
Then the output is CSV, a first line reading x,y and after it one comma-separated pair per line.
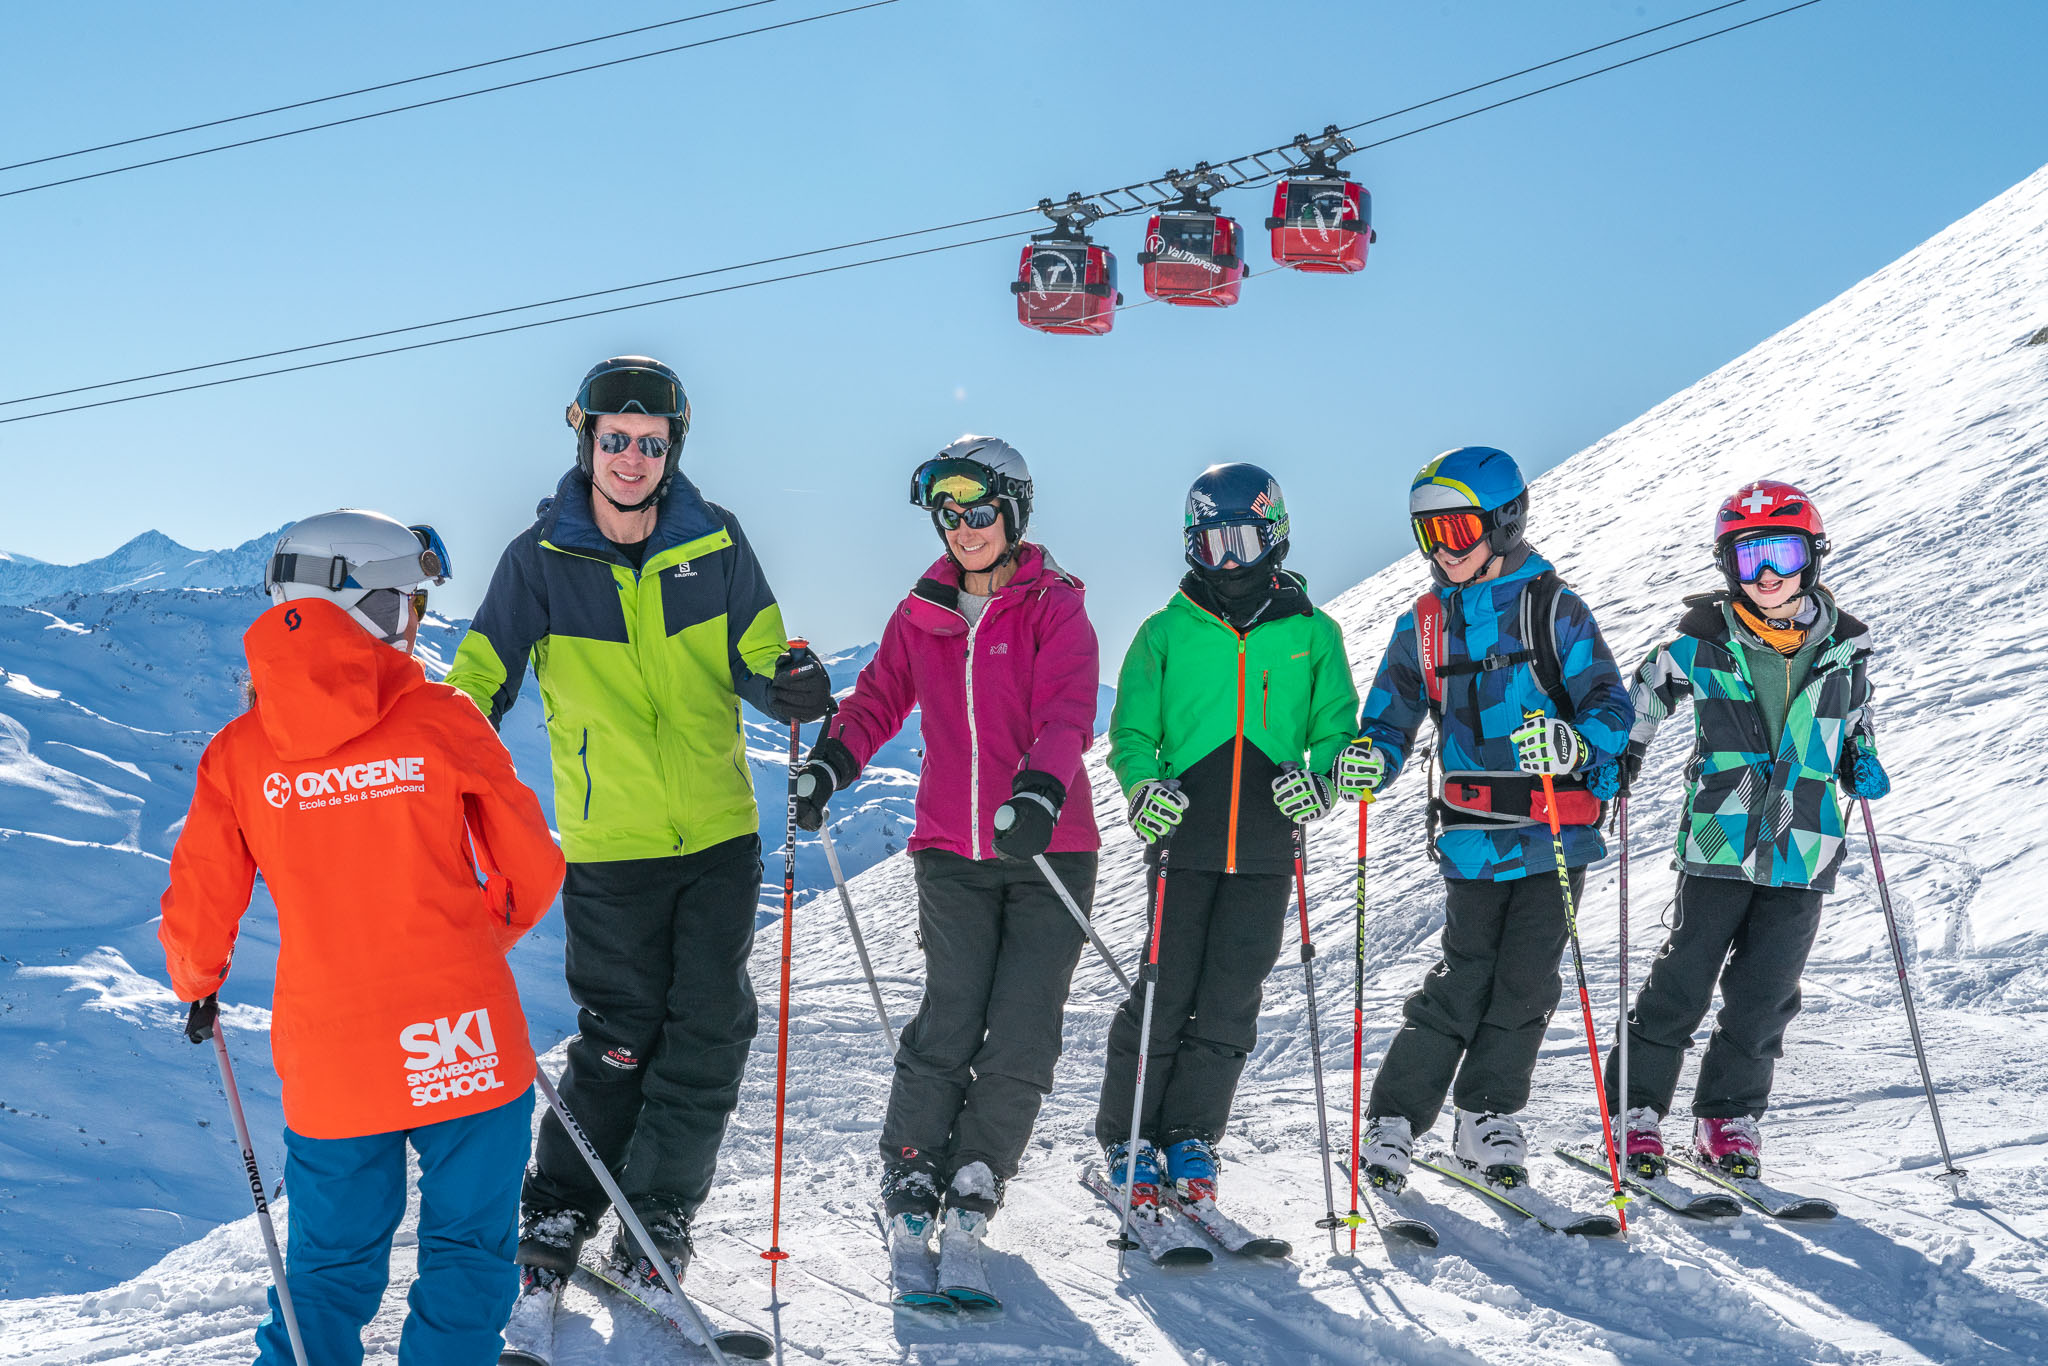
x,y
356,787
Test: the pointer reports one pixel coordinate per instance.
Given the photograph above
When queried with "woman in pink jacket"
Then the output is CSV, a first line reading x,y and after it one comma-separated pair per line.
x,y
994,644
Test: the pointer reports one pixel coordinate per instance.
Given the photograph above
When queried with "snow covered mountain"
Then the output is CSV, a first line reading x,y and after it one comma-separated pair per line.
x,y
1913,410
151,560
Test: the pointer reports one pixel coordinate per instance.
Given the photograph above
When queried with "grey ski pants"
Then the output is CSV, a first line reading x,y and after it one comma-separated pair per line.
x,y
1482,1010
1754,940
975,1064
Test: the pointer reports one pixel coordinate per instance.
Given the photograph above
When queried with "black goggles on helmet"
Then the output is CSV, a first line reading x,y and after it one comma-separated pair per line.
x,y
631,391
1240,543
962,481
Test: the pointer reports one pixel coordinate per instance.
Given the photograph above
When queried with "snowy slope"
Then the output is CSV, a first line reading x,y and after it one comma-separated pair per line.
x,y
1910,409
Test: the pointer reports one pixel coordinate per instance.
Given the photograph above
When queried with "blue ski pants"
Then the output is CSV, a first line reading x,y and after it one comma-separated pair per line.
x,y
346,1197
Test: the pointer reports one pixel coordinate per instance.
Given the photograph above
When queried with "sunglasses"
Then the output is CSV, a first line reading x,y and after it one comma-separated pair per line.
x,y
1456,532
1784,556
980,516
653,447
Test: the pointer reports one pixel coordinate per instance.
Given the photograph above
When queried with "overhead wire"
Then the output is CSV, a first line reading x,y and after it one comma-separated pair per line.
x,y
444,99
849,265
382,85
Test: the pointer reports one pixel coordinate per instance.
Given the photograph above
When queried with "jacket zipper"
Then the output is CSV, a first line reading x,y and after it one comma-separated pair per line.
x,y
1236,763
1265,697
974,744
584,754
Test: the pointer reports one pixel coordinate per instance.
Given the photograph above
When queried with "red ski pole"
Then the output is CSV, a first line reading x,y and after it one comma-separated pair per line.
x,y
775,1255
1571,920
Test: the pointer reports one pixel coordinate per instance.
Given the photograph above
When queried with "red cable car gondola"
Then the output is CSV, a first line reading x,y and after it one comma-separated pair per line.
x,y
1321,223
1065,283
1192,255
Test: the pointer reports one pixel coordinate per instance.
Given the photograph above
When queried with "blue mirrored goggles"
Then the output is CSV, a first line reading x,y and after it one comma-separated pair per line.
x,y
1784,556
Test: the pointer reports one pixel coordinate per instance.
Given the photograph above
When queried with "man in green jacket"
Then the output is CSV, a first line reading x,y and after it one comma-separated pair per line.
x,y
647,619
1223,695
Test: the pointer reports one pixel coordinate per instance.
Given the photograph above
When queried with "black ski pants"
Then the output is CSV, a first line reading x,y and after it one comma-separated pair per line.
x,y
1754,940
1482,1010
976,1063
1218,939
657,964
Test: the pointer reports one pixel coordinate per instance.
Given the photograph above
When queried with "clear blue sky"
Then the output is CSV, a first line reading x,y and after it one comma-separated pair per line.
x,y
1545,272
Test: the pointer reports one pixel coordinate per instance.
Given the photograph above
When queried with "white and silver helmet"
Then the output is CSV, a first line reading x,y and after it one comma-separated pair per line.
x,y
363,562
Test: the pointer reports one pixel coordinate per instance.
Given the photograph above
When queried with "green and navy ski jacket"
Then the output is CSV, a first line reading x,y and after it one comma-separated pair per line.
x,y
1482,709
1772,817
1221,710
641,670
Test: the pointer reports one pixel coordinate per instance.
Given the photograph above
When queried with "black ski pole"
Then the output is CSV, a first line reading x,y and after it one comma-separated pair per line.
x,y
1950,1172
1330,1220
1149,974
284,1291
1087,926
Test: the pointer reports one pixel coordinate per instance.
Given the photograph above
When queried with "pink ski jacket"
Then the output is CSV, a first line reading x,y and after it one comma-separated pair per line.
x,y
1014,691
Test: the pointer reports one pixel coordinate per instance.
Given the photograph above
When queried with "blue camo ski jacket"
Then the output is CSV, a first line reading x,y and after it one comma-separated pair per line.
x,y
1481,710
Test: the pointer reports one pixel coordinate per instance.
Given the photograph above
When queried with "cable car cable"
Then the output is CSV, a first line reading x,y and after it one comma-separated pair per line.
x,y
385,85
444,99
822,270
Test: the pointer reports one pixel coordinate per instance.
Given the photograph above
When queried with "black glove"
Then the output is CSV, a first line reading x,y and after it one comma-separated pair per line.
x,y
1024,823
801,689
829,768
199,1024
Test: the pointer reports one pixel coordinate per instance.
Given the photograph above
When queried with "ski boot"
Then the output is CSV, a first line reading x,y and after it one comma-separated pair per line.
x,y
552,1239
1493,1145
910,1203
1645,1142
972,1198
669,1231
1389,1144
1735,1145
1145,1183
1191,1167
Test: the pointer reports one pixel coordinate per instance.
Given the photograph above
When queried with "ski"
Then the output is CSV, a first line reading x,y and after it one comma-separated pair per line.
x,y
913,1278
963,1279
1531,1204
1397,1224
1165,1237
655,1299
1673,1195
1779,1204
1230,1235
530,1332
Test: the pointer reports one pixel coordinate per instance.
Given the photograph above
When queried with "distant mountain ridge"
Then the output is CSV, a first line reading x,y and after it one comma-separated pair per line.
x,y
151,560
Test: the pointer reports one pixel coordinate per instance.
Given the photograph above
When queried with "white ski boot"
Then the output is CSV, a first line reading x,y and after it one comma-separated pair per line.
x,y
1493,1146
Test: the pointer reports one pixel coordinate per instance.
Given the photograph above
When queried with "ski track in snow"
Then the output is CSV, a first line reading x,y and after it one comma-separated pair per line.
x,y
1910,409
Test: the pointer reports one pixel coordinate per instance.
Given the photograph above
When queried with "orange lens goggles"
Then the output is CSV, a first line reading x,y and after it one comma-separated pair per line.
x,y
1456,532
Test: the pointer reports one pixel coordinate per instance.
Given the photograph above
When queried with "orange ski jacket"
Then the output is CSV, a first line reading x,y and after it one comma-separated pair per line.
x,y
355,786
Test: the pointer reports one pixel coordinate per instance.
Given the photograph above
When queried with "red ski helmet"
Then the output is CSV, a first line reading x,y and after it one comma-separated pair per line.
x,y
1769,507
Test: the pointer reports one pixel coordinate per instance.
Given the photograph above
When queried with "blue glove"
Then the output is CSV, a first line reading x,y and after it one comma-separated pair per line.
x,y
1604,780
1867,777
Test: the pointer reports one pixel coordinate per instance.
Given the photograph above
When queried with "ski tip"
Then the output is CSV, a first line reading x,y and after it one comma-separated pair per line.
x,y
971,1301
746,1346
1267,1247
512,1358
928,1301
1186,1256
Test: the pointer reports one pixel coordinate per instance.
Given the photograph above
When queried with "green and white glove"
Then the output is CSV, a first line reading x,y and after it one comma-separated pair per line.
x,y
1361,771
1545,744
1156,808
1303,796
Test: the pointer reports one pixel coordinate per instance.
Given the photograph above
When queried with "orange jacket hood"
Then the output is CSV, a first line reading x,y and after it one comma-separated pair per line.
x,y
320,679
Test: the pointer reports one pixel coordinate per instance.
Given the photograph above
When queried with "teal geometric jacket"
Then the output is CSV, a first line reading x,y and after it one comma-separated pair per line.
x,y
1775,819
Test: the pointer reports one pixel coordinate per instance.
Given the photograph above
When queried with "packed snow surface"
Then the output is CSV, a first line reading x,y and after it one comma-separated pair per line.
x,y
1913,412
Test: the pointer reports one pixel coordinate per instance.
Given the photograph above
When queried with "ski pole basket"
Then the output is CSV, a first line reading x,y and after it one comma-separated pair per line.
x,y
1193,255
1066,283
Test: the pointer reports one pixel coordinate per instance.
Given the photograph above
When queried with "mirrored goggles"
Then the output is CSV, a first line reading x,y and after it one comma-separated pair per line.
x,y
653,447
1784,556
1456,532
980,516
1234,543
966,482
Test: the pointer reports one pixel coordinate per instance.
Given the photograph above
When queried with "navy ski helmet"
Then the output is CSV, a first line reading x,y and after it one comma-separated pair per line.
x,y
1236,518
630,384
1467,495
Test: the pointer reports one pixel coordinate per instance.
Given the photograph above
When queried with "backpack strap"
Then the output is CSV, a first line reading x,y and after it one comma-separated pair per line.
x,y
1539,630
1429,650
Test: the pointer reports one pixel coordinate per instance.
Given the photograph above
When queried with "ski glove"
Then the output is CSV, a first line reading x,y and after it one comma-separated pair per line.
x,y
199,1023
1156,808
1867,778
829,768
1604,780
1024,823
1361,771
801,689
1545,744
1303,796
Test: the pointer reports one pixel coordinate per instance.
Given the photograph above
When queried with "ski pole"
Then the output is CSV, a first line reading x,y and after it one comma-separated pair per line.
x,y
1357,1031
1331,1220
1621,1091
1954,1175
1087,926
775,1256
625,1209
284,1291
860,945
1149,974
1571,921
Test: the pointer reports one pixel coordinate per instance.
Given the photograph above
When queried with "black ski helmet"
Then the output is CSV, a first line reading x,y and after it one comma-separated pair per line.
x,y
1236,509
630,384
